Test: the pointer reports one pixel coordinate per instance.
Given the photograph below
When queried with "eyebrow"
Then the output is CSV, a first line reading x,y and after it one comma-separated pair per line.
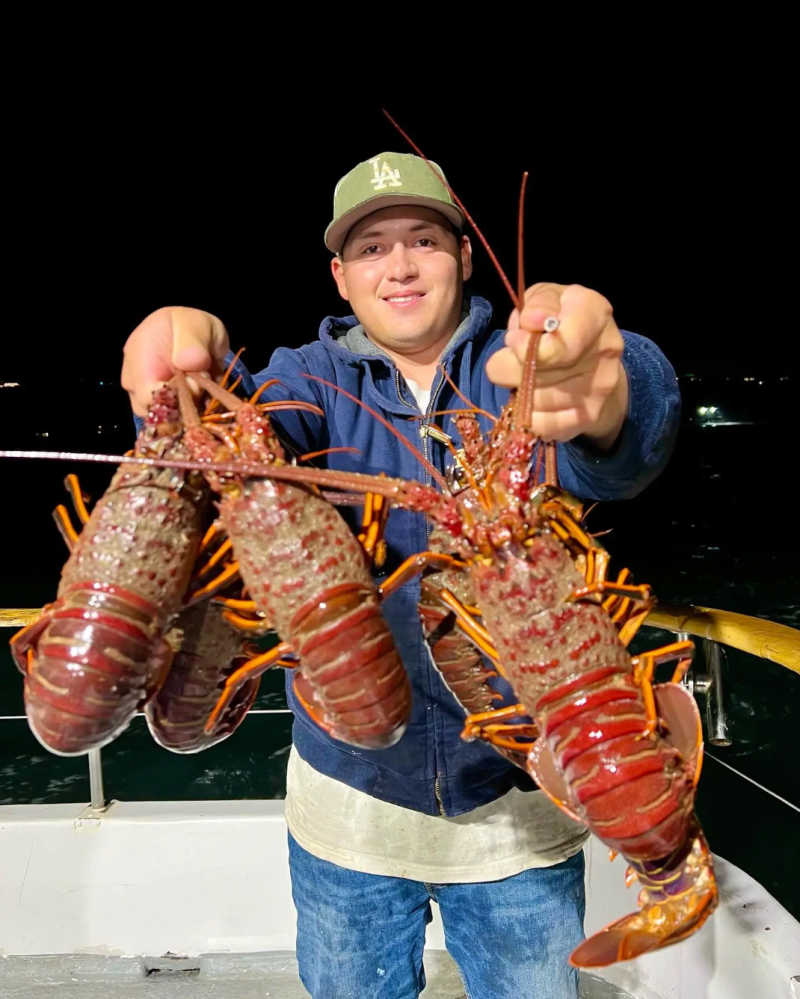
x,y
417,227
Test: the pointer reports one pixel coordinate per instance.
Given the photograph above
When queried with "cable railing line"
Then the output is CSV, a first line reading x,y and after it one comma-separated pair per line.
x,y
761,787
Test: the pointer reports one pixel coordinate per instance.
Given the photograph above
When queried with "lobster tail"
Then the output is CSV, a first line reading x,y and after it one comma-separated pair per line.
x,y
350,662
210,651
634,790
678,895
94,663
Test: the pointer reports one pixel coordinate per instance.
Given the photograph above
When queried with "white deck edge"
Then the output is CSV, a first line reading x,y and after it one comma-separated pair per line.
x,y
211,877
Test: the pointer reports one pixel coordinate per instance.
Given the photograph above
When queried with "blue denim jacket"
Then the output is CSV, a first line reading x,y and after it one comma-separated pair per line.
x,y
431,769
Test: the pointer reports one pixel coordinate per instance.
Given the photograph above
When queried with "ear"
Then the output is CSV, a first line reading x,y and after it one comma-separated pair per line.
x,y
466,257
337,269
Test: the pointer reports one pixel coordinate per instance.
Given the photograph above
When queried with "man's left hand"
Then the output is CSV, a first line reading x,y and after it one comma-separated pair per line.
x,y
581,385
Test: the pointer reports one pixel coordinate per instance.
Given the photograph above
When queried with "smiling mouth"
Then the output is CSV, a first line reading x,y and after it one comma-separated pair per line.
x,y
404,300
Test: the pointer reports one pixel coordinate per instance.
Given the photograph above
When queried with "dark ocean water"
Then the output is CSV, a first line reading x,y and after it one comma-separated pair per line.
x,y
715,529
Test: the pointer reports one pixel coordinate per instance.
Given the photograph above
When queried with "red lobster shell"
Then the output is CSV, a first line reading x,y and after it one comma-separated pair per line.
x,y
99,651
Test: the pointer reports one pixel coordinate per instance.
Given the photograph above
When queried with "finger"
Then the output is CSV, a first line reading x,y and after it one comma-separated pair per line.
x,y
590,389
146,360
561,426
584,315
542,300
167,339
505,368
199,340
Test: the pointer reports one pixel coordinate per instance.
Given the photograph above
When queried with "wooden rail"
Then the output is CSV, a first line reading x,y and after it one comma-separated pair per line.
x,y
16,617
765,639
777,642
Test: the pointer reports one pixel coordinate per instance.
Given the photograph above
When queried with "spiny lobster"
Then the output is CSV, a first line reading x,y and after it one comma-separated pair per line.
x,y
307,578
102,648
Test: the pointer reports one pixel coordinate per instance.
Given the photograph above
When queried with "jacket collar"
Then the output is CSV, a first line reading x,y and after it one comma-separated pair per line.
x,y
345,337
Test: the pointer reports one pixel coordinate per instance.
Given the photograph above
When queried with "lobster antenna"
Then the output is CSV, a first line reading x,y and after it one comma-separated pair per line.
x,y
381,485
417,454
517,301
521,242
523,405
188,409
463,398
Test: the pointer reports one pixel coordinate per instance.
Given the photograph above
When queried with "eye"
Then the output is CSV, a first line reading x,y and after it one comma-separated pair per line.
x,y
425,241
373,248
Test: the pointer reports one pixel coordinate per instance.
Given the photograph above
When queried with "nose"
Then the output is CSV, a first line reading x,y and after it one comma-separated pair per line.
x,y
400,264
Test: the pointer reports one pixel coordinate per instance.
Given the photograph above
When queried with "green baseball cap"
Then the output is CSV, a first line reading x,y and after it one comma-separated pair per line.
x,y
388,179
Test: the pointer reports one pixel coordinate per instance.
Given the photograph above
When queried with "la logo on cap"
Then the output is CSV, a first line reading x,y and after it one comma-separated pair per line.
x,y
384,176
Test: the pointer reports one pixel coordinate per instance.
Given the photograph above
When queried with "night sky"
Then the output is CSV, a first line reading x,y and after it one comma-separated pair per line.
x,y
118,210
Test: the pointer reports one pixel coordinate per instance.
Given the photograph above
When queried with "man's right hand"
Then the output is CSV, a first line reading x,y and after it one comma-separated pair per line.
x,y
168,340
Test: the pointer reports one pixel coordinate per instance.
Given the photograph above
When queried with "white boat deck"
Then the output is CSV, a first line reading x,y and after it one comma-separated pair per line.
x,y
264,976
93,901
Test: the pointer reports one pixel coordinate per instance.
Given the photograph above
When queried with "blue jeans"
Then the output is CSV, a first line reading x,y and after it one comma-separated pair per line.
x,y
360,936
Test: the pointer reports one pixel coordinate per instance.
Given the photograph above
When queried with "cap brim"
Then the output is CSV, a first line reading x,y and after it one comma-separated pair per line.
x,y
337,231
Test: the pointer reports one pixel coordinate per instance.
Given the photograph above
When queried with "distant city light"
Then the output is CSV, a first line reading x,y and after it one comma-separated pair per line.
x,y
9,385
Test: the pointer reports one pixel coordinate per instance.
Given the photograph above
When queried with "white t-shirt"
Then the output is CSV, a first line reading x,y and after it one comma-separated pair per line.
x,y
335,822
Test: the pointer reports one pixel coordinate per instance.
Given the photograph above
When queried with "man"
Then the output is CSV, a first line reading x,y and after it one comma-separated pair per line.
x,y
374,835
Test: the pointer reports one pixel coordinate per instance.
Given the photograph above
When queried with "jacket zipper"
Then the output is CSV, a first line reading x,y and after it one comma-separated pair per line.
x,y
426,431
437,792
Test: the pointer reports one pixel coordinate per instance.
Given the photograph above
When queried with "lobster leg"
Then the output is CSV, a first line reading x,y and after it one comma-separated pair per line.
x,y
249,671
373,525
252,624
446,625
568,529
486,726
208,537
609,603
474,631
73,487
643,669
62,518
215,559
64,525
215,585
636,604
618,589
22,642
416,564
237,605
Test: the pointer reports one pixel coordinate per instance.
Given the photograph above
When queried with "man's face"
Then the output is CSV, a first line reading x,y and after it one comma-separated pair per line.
x,y
402,270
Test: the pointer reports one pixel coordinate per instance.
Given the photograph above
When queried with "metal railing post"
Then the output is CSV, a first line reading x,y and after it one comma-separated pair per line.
x,y
98,799
716,715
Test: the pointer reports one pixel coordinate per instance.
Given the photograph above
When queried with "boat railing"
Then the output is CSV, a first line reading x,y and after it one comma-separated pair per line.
x,y
716,629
